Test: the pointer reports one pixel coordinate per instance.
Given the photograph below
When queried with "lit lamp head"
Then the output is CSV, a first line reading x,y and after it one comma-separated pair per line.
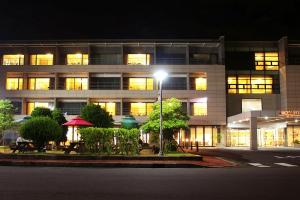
x,y
160,75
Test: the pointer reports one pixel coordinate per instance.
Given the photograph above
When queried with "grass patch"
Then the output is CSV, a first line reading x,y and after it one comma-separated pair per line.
x,y
179,154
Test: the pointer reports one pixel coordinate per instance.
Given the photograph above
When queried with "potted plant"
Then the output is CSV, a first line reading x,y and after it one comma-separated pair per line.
x,y
297,144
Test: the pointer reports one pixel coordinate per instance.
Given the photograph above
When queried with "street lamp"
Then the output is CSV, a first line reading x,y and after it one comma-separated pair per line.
x,y
160,76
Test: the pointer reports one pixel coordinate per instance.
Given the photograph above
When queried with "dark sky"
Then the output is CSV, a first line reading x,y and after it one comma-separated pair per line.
x,y
121,19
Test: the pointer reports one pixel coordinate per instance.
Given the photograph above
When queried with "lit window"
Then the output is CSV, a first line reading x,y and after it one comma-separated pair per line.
x,y
13,59
141,109
108,107
201,83
76,83
200,107
138,59
41,59
266,61
14,83
39,84
251,105
140,84
77,59
249,85
32,105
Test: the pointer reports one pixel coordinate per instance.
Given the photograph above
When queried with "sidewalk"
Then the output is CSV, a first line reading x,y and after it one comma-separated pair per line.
x,y
207,161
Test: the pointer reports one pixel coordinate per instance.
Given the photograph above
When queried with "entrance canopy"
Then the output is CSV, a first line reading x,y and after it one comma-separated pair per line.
x,y
274,119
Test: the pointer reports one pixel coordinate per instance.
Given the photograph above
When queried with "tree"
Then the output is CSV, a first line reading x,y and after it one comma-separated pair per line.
x,y
59,117
40,130
97,116
40,111
174,119
6,115
56,115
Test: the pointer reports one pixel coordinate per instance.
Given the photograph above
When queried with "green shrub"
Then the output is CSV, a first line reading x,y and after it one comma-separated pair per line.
x,y
101,140
59,117
40,130
97,116
41,112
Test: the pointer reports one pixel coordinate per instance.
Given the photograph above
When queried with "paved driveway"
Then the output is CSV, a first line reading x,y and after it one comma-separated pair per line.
x,y
275,157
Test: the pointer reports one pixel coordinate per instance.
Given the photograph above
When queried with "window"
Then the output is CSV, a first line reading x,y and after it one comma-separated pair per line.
x,y
13,59
141,109
249,84
39,84
266,61
140,84
41,59
201,83
138,59
77,59
76,83
200,107
108,107
14,83
251,105
32,105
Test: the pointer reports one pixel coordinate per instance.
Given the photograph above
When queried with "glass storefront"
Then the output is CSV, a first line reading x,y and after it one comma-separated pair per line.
x,y
293,135
204,135
265,137
238,137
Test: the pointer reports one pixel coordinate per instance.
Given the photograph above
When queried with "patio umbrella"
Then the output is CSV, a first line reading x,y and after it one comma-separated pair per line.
x,y
77,121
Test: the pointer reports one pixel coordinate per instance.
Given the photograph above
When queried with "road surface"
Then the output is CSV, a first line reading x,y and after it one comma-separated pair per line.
x,y
43,183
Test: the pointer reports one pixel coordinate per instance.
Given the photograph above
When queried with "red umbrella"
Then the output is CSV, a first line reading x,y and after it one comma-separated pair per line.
x,y
77,121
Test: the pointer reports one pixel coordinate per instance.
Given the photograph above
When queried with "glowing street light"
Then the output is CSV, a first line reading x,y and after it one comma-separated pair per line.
x,y
160,76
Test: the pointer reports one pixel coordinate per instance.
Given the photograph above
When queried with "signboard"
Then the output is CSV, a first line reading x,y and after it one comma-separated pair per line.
x,y
290,113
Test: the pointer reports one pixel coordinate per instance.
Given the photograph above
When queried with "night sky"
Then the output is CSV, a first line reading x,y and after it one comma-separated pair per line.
x,y
120,19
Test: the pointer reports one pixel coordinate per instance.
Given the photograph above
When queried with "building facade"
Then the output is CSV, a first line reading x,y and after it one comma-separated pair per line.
x,y
236,93
118,75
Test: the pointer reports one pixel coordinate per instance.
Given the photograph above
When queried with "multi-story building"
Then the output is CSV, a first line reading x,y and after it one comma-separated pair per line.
x,y
118,75
263,97
253,101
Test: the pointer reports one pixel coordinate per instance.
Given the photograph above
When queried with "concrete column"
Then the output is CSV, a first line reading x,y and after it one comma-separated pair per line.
x,y
121,82
187,55
57,56
24,106
121,107
89,80
154,54
55,103
285,137
2,84
26,56
253,133
188,107
25,81
56,82
188,81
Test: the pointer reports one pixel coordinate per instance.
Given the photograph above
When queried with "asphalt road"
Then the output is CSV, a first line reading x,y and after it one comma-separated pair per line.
x,y
37,183
264,156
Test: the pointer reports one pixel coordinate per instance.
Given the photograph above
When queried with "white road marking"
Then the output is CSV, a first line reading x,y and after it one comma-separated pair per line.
x,y
278,157
286,165
258,165
287,156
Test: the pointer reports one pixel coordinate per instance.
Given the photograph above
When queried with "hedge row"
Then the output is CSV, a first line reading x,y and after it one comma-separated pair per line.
x,y
111,140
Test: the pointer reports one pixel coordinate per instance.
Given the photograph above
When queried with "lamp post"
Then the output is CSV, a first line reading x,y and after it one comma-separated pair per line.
x,y
160,76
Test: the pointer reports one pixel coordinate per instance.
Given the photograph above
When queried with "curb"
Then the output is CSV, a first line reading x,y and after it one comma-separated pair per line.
x,y
100,165
98,157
